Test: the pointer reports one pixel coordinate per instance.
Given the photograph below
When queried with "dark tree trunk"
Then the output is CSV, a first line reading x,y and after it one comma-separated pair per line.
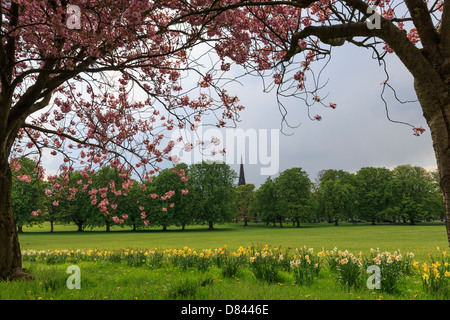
x,y
51,225
435,101
211,225
80,227
19,229
10,254
298,223
108,227
134,226
164,228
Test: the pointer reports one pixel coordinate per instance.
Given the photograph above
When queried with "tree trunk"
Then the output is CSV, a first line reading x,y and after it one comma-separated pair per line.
x,y
435,102
211,225
80,227
108,227
51,225
19,229
298,223
10,254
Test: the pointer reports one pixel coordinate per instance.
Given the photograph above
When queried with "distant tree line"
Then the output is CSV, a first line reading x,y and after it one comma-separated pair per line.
x,y
406,194
206,194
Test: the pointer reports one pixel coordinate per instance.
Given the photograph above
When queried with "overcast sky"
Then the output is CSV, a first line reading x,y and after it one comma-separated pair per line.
x,y
354,135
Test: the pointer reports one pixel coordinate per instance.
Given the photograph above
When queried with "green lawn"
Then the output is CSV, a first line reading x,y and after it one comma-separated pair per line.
x,y
419,239
103,280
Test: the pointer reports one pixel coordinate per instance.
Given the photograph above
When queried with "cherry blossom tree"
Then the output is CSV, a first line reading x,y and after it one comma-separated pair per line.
x,y
95,83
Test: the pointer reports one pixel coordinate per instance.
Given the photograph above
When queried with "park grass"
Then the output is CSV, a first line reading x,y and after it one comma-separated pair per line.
x,y
115,281
419,239
102,280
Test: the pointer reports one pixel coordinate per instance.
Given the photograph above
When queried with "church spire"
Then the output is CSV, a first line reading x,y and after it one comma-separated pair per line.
x,y
241,174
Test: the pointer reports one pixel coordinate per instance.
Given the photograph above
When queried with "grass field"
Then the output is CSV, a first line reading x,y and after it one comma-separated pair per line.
x,y
420,239
104,280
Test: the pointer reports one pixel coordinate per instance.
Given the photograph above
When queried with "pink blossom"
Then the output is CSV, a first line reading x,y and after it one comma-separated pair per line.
x,y
24,178
175,159
36,212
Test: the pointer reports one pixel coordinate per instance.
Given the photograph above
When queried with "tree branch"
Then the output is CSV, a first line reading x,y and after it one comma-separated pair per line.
x,y
422,21
326,33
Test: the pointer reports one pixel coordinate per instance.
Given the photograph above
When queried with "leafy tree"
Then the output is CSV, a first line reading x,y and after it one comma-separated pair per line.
x,y
70,209
413,188
27,194
373,192
266,203
436,201
337,195
134,207
107,185
170,189
212,185
245,196
294,189
51,214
